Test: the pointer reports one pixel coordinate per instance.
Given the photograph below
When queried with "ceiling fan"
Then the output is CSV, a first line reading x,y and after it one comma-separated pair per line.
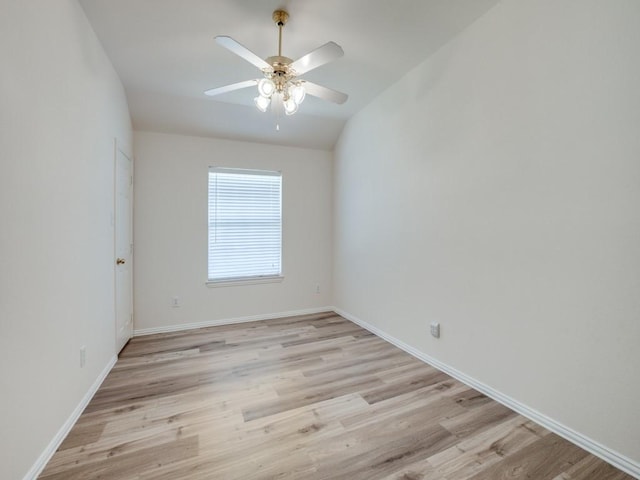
x,y
281,85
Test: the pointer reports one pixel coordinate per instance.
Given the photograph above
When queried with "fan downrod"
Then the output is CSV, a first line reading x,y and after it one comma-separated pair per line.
x,y
280,17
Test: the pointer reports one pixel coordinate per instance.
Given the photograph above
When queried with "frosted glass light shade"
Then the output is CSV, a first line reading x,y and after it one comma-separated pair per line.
x,y
290,106
262,103
266,87
298,93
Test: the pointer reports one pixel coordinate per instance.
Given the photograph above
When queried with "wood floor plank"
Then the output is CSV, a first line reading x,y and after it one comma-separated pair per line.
x,y
479,451
478,419
394,388
83,434
381,452
420,470
308,396
542,460
589,468
311,397
130,464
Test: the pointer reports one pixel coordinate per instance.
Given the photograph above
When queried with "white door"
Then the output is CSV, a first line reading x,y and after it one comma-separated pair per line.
x,y
123,249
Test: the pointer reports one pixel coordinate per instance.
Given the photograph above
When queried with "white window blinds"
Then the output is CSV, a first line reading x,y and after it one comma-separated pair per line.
x,y
245,224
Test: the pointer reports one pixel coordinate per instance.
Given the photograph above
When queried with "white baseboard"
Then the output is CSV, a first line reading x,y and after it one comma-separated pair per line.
x,y
48,452
617,460
228,321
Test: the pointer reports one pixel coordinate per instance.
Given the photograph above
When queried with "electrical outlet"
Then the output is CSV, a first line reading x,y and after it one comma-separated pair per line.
x,y
175,302
83,356
317,288
435,329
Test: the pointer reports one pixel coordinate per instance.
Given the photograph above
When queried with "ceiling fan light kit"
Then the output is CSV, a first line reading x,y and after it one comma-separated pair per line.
x,y
281,87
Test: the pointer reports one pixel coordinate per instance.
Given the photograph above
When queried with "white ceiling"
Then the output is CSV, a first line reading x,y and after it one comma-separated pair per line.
x,y
166,56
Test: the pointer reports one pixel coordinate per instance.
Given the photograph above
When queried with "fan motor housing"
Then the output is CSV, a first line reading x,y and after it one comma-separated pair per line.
x,y
280,64
279,61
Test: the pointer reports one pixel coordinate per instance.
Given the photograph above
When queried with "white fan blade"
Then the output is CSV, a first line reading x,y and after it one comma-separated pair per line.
x,y
321,55
242,51
231,88
324,92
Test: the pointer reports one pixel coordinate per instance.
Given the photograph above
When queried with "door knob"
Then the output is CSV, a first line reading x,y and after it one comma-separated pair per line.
x,y
120,261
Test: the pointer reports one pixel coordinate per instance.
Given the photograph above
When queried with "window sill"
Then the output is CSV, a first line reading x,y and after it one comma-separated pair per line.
x,y
244,281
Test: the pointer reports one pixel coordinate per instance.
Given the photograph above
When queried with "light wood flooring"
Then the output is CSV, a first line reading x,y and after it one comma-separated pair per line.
x,y
311,397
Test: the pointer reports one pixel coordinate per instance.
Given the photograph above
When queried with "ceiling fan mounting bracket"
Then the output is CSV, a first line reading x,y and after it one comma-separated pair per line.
x,y
280,17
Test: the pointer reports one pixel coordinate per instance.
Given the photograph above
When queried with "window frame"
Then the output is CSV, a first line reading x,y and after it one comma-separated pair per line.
x,y
246,279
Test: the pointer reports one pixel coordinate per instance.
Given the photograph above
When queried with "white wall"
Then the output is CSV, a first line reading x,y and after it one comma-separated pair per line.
x,y
170,230
496,189
61,105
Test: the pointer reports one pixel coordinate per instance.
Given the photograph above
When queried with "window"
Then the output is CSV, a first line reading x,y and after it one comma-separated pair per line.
x,y
245,224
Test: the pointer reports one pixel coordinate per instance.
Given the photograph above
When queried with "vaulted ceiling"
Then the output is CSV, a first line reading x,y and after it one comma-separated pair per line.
x,y
164,52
